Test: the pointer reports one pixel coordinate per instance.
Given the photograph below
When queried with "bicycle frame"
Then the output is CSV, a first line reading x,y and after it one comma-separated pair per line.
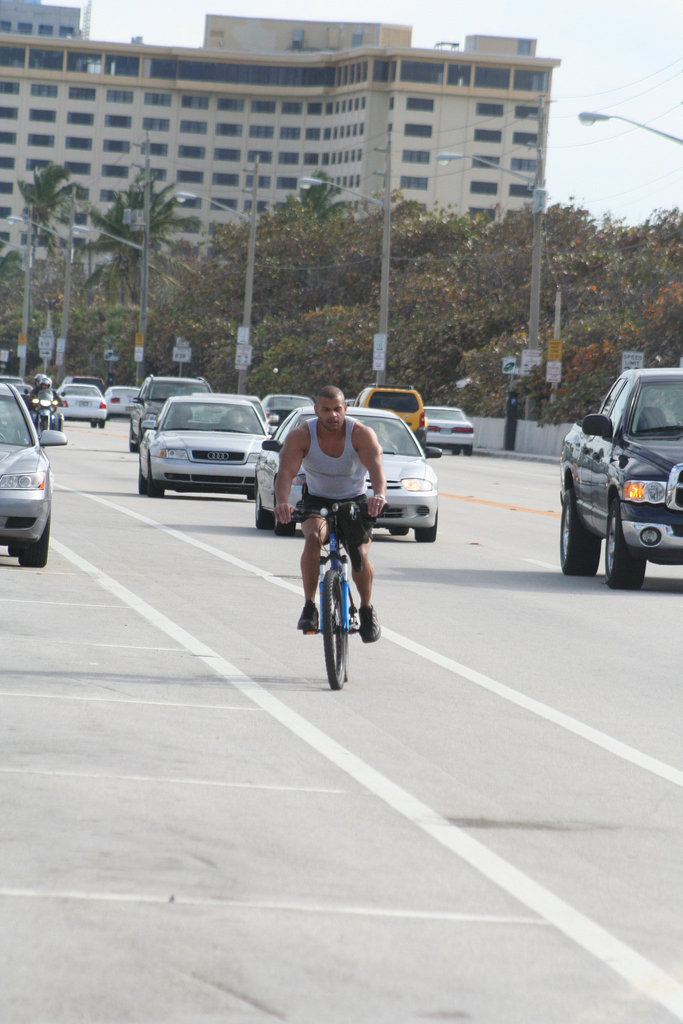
x,y
338,561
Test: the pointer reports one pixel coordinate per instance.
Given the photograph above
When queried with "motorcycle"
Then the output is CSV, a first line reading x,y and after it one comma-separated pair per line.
x,y
45,412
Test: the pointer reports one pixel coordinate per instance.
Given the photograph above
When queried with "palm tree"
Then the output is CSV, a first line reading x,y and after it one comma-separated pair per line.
x,y
321,200
121,238
47,198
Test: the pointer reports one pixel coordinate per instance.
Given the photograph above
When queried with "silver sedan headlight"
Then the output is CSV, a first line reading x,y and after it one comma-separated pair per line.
x,y
411,483
23,481
170,453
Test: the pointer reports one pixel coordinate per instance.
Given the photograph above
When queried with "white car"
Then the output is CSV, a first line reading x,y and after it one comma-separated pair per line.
x,y
412,487
202,442
119,399
83,402
448,427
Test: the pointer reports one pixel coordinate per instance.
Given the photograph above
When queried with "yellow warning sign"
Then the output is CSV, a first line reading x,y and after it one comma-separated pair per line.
x,y
554,349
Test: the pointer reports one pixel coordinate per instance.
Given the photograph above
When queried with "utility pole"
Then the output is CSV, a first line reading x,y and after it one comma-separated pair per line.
x,y
243,352
386,260
61,341
26,313
538,210
141,338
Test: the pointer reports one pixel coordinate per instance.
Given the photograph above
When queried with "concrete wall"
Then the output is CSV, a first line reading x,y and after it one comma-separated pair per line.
x,y
531,439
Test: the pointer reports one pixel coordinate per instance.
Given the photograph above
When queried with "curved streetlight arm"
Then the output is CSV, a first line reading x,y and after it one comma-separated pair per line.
x,y
445,158
82,230
37,226
182,196
590,117
311,182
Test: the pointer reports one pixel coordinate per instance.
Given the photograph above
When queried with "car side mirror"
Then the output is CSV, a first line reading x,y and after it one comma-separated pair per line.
x,y
598,425
432,453
149,421
271,445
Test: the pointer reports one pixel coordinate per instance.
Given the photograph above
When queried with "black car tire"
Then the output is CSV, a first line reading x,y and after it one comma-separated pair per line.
x,y
142,482
427,534
154,489
399,531
467,451
263,517
34,556
622,570
93,423
133,445
101,424
579,548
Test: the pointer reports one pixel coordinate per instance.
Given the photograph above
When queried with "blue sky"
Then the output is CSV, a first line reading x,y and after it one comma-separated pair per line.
x,y
620,57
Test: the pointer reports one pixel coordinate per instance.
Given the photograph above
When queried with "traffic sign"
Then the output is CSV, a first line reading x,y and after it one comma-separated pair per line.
x,y
553,371
632,360
46,343
510,364
182,354
530,357
111,356
242,356
555,349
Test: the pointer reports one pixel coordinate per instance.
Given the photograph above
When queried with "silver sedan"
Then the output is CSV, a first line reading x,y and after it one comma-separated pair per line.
x,y
201,442
412,488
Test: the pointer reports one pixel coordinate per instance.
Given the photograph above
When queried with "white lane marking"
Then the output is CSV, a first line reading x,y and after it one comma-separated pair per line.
x,y
56,604
126,700
635,969
101,776
91,643
288,907
600,739
543,565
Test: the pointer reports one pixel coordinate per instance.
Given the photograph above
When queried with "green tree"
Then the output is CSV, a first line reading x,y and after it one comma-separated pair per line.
x,y
47,198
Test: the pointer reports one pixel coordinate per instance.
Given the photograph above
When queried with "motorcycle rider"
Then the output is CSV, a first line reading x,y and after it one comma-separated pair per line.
x,y
42,388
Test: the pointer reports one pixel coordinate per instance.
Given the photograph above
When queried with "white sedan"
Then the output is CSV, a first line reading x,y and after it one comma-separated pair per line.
x,y
412,487
119,399
201,442
83,402
448,427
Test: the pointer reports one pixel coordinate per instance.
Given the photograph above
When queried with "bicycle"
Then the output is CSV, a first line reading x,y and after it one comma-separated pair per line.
x,y
338,616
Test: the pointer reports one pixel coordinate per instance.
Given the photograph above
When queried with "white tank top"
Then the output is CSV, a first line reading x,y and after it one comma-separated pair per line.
x,y
328,476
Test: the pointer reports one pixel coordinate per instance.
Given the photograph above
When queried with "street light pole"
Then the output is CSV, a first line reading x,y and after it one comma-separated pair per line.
x,y
144,270
590,117
26,312
248,288
60,357
538,210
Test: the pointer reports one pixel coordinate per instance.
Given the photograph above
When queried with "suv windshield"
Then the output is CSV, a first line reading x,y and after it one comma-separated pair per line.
x,y
659,410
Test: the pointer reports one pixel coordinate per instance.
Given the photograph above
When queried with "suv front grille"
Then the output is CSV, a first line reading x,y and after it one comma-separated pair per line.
x,y
674,489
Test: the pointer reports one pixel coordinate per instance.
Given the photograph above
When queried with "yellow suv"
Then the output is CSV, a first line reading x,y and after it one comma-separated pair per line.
x,y
405,402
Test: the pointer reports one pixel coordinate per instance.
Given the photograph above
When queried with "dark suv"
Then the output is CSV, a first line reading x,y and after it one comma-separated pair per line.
x,y
153,394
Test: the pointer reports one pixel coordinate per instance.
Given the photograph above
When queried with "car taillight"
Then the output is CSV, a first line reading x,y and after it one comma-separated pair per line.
x,y
114,400
423,421
103,405
65,403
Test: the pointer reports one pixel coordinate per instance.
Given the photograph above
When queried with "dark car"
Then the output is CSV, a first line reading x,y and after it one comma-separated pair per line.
x,y
622,481
278,408
26,482
153,394
97,381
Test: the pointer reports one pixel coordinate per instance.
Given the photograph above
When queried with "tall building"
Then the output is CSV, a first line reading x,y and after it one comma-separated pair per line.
x,y
37,19
296,97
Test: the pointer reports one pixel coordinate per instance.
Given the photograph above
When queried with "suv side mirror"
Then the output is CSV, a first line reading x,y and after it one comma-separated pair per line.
x,y
598,425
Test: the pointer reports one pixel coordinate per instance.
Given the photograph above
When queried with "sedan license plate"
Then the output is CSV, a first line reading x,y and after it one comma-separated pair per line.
x,y
83,404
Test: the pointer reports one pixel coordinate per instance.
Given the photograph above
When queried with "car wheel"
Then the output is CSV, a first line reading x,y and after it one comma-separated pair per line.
x,y
263,517
622,570
399,531
467,451
249,493
142,481
154,489
93,423
579,548
426,534
34,556
133,445
101,424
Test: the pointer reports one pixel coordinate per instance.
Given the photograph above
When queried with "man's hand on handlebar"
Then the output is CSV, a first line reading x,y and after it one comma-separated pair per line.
x,y
283,512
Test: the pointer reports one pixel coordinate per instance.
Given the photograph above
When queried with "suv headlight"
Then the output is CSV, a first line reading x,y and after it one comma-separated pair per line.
x,y
651,491
23,481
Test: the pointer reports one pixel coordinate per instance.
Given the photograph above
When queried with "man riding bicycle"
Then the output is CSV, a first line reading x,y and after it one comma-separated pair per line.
x,y
335,452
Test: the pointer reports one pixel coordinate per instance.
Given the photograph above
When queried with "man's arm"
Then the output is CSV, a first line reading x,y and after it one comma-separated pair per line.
x,y
292,452
370,454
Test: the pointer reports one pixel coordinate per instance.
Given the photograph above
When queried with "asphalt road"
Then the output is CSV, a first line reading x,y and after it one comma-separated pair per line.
x,y
485,825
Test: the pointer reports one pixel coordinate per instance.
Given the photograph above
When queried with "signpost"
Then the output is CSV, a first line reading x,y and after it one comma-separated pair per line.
x,y
530,357
632,360
182,353
46,343
510,364
379,352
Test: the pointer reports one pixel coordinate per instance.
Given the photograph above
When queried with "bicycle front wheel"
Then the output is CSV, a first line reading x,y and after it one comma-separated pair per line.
x,y
335,637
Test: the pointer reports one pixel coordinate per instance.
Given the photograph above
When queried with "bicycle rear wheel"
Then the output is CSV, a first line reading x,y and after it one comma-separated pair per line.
x,y
335,638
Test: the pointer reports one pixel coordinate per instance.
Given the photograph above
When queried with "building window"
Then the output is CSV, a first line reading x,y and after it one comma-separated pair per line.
x,y
159,173
486,77
75,142
415,183
424,131
292,107
114,171
9,87
157,99
33,164
287,183
230,103
230,203
531,81
38,89
419,103
49,116
158,149
193,127
487,135
12,56
522,111
46,60
264,156
84,63
312,159
115,146
524,138
79,117
9,113
25,28
46,30
41,140
223,128
119,96
8,138
196,102
77,168
80,92
487,188
155,124
313,134
116,64
485,161
263,106
263,181
416,156
107,195
261,131
427,72
6,187
231,180
288,158
7,163
490,109
523,165
227,154
459,74
289,132
117,121
520,190
192,152
190,177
